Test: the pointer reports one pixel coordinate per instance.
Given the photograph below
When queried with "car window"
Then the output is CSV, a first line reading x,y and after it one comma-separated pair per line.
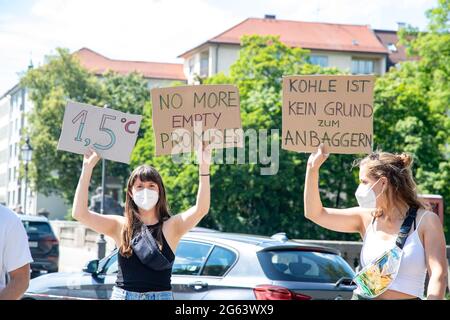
x,y
190,257
219,262
37,227
111,265
304,266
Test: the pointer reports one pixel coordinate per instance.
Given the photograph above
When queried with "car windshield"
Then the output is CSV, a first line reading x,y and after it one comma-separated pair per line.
x,y
37,227
304,266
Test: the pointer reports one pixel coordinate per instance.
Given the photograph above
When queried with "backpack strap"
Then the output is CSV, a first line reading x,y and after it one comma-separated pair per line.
x,y
406,227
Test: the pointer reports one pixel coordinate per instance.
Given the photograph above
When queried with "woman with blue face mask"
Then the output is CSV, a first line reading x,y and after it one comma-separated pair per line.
x,y
147,235
386,193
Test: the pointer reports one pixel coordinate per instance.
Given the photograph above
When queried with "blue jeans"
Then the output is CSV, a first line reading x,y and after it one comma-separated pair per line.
x,y
121,294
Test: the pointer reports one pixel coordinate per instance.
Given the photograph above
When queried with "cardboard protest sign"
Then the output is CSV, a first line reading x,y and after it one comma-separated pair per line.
x,y
336,110
109,132
185,115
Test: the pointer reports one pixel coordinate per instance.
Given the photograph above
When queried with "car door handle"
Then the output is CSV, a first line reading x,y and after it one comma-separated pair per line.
x,y
198,285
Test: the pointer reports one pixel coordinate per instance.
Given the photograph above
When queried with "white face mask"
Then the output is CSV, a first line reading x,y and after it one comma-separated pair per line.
x,y
145,199
365,195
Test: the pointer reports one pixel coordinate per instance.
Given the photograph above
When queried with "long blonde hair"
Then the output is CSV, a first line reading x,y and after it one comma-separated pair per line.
x,y
401,189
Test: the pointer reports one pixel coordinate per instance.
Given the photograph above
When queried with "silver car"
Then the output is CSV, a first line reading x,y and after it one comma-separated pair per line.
x,y
212,265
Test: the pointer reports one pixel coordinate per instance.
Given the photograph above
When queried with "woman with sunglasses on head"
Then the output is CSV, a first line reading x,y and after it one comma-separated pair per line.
x,y
147,235
386,196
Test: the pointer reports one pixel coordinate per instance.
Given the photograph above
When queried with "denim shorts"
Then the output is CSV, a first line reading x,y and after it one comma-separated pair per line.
x,y
121,294
357,296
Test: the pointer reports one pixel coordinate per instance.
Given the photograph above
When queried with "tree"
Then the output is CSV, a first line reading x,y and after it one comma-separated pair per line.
x,y
243,199
61,78
406,119
412,101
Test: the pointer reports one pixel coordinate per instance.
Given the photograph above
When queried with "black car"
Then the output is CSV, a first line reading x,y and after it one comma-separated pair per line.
x,y
44,245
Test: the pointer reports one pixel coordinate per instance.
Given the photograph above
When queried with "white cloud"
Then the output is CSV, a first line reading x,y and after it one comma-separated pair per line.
x,y
160,30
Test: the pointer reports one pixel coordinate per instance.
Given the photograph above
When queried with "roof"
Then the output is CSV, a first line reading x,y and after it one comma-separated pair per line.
x,y
308,35
390,37
100,64
261,242
10,91
32,218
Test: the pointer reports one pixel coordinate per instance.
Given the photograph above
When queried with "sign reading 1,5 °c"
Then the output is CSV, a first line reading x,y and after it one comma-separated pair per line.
x,y
110,132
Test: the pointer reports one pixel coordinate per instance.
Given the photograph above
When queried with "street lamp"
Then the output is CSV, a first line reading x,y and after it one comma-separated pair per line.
x,y
27,151
101,242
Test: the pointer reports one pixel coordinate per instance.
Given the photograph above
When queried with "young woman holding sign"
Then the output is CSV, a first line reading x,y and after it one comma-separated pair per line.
x,y
147,236
394,264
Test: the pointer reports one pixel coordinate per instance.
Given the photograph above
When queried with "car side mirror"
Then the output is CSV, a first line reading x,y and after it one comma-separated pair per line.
x,y
91,267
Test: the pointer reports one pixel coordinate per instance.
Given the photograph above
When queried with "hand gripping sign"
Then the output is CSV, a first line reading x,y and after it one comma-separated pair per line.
x,y
336,110
186,114
110,132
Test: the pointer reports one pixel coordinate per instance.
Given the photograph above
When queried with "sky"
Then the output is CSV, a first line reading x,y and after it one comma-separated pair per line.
x,y
160,30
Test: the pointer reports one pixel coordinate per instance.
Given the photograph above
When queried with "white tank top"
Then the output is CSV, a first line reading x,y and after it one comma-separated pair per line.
x,y
412,272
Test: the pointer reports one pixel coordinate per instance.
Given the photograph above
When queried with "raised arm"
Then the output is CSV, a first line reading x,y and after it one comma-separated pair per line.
x,y
341,220
187,220
110,225
435,257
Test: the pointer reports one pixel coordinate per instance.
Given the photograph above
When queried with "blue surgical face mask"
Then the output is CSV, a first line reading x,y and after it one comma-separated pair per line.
x,y
365,195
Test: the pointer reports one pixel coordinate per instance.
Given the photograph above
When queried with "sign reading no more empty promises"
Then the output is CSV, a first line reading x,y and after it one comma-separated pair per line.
x,y
203,112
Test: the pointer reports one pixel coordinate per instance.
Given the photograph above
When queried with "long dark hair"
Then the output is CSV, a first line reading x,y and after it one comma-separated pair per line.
x,y
145,173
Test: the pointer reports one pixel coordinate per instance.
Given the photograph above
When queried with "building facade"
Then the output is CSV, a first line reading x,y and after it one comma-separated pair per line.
x,y
351,48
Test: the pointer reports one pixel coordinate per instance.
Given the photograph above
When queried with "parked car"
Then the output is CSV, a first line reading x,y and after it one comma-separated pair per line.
x,y
215,265
44,245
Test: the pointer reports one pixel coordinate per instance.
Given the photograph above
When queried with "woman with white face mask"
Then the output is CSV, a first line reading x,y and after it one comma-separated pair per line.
x,y
147,235
385,194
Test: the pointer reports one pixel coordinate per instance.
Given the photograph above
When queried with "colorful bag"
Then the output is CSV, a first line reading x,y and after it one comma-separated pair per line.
x,y
377,277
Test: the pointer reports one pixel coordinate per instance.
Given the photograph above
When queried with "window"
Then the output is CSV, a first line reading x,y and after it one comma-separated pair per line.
x,y
204,64
362,66
37,227
191,65
22,100
112,266
190,257
319,60
392,47
304,266
13,101
219,262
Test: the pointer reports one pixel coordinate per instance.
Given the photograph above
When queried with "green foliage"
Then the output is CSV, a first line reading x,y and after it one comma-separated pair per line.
x,y
412,104
243,200
50,86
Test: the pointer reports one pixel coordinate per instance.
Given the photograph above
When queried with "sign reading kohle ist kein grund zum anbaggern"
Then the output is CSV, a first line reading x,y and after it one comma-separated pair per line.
x,y
336,110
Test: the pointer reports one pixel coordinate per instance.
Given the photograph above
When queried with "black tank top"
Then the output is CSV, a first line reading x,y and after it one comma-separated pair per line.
x,y
134,276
